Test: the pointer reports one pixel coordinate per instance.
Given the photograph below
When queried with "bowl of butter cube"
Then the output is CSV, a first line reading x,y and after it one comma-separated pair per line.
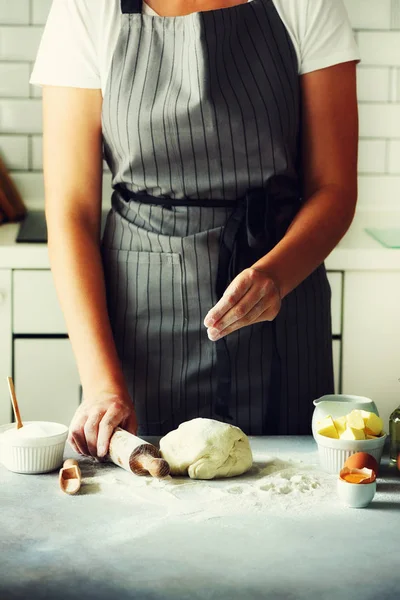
x,y
343,425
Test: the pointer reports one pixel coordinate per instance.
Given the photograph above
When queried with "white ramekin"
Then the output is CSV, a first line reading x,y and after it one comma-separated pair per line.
x,y
33,455
356,495
333,453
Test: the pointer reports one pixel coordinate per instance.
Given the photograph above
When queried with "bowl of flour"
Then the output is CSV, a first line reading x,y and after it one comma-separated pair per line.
x,y
37,447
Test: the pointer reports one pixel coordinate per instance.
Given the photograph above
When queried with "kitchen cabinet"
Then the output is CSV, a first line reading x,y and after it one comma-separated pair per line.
x,y
336,282
337,353
5,343
46,379
36,309
371,338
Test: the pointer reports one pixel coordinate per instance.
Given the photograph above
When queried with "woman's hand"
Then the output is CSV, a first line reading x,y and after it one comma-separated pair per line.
x,y
253,296
95,421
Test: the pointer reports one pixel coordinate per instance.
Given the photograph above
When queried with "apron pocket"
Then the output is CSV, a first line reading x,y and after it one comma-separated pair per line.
x,y
146,310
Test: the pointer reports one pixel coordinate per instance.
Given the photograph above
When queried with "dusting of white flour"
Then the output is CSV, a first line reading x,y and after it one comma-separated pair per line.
x,y
273,485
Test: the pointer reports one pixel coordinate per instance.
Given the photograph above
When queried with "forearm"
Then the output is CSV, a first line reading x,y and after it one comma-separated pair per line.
x,y
316,230
77,269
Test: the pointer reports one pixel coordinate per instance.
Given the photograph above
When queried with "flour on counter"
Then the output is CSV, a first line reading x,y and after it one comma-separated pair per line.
x,y
273,485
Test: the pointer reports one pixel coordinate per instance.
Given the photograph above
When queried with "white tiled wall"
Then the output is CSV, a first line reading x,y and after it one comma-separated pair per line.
x,y
377,27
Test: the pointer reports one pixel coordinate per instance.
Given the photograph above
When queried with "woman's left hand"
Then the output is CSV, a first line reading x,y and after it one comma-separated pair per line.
x,y
253,296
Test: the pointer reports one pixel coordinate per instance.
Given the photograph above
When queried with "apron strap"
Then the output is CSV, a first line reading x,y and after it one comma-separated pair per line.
x,y
129,7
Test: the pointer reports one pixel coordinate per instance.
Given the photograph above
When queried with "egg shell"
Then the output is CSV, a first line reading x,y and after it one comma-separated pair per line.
x,y
361,460
367,475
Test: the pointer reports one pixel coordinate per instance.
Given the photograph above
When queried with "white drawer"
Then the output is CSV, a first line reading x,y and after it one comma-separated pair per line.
x,y
336,283
35,303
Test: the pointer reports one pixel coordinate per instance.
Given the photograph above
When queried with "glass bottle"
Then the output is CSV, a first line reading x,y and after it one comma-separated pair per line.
x,y
394,432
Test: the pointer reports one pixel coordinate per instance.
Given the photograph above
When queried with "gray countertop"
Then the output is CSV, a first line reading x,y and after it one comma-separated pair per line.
x,y
278,532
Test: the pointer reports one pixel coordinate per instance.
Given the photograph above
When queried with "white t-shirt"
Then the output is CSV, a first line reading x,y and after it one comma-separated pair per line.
x,y
80,37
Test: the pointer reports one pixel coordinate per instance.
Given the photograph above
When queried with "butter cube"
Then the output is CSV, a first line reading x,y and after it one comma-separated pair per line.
x,y
340,424
355,420
327,428
373,424
351,433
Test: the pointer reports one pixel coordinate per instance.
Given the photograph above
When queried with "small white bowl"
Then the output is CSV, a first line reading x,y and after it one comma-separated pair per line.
x,y
356,495
32,455
333,453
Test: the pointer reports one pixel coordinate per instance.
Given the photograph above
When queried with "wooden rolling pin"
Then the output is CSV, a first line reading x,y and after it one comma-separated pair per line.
x,y
136,455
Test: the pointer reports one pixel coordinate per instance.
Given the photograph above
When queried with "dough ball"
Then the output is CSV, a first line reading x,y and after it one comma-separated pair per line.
x,y
204,449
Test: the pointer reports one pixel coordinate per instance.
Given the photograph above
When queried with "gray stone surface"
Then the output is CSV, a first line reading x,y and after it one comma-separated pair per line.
x,y
118,541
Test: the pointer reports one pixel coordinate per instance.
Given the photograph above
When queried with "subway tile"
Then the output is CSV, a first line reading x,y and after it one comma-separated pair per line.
x,y
14,12
19,43
14,151
379,47
369,14
372,156
393,84
30,186
395,14
396,92
36,152
373,84
394,157
379,120
36,90
378,191
14,80
40,11
20,116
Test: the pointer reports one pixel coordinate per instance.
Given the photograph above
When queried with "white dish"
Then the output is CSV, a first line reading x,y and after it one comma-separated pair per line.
x,y
333,453
31,455
339,405
356,495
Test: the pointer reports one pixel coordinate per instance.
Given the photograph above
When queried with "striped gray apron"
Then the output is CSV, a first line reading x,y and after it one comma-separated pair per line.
x,y
201,128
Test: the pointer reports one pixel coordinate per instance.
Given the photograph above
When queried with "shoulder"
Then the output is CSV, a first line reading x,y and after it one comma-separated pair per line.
x,y
300,15
88,14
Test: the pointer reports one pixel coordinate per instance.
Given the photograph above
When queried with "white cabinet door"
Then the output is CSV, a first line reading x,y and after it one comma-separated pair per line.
x,y
5,345
35,303
336,349
371,338
336,282
46,379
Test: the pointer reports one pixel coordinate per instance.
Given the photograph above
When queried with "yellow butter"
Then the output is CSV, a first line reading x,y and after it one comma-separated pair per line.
x,y
340,424
373,424
327,428
352,433
355,420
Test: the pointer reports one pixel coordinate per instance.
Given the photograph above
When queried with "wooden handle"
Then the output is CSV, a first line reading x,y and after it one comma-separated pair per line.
x,y
70,477
142,464
14,402
129,452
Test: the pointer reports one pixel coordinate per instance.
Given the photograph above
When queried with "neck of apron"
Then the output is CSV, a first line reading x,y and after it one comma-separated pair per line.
x,y
131,6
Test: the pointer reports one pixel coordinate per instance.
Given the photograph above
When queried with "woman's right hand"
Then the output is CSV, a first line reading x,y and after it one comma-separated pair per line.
x,y
95,421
